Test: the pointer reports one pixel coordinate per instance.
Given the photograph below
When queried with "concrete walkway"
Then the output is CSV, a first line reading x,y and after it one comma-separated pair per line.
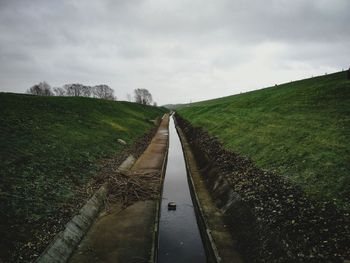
x,y
128,235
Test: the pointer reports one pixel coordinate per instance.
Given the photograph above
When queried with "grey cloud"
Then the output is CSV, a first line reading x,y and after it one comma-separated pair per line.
x,y
180,50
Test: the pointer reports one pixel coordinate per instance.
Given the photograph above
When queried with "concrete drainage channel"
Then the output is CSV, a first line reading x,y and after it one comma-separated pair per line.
x,y
190,229
179,236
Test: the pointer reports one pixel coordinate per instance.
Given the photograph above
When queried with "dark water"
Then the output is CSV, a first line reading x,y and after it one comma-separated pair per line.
x,y
179,237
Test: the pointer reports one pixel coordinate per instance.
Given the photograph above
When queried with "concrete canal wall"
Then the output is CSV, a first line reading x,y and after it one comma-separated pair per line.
x,y
220,244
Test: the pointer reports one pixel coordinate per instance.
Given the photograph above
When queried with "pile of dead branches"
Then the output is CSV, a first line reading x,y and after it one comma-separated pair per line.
x,y
129,187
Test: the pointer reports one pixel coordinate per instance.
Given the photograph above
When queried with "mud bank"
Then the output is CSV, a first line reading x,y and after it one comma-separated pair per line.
x,y
272,219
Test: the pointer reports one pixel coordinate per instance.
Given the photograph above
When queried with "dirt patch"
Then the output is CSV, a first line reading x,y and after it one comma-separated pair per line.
x,y
272,218
33,237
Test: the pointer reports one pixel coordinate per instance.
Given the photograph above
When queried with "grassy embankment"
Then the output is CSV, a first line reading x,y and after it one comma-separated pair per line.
x,y
299,129
49,147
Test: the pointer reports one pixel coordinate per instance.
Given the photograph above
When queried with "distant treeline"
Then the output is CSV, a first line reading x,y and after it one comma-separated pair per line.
x,y
142,96
79,90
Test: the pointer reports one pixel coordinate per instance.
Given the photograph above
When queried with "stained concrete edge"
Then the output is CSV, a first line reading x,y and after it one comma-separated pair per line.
x,y
66,241
154,251
127,164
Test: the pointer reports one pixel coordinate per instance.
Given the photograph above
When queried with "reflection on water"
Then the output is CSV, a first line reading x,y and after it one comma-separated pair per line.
x,y
179,237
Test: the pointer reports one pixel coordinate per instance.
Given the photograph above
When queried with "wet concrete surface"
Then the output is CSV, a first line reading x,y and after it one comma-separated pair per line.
x,y
127,235
123,235
179,235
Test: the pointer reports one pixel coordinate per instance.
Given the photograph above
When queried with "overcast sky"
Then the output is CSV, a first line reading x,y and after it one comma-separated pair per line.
x,y
180,50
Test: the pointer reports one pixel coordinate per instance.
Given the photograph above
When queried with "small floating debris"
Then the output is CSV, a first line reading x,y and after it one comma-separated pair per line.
x,y
172,206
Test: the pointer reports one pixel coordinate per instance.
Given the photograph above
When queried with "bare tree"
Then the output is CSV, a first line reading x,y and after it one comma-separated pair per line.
x,y
77,89
86,91
59,91
74,89
128,97
155,104
41,89
143,96
104,92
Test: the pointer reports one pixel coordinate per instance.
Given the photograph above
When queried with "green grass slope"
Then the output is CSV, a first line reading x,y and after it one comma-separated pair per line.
x,y
49,147
299,129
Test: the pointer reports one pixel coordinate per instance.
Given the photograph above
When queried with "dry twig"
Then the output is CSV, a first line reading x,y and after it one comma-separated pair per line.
x,y
128,187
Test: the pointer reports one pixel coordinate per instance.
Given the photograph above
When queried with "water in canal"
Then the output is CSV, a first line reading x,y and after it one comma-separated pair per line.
x,y
179,237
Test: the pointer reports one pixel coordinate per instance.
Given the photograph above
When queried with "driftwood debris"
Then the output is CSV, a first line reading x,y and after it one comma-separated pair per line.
x,y
129,187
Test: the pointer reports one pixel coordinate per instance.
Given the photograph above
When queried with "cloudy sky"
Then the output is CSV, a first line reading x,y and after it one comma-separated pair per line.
x,y
180,50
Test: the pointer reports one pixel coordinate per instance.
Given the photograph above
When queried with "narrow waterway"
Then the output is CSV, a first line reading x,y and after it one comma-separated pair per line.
x,y
179,237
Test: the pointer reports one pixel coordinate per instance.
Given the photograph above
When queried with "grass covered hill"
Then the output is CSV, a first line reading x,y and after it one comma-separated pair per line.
x,y
49,146
300,130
